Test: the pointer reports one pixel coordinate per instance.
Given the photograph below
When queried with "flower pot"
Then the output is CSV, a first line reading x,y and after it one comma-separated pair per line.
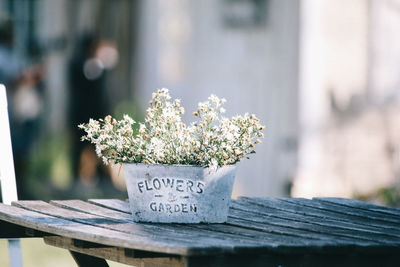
x,y
179,193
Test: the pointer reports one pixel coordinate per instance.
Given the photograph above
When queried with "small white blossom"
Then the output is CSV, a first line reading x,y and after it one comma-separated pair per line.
x,y
164,139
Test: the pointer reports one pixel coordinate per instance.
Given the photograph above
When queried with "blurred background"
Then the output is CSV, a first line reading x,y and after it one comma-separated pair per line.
x,y
323,76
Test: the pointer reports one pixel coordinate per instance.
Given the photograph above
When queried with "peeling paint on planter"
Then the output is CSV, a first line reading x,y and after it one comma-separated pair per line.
x,y
179,193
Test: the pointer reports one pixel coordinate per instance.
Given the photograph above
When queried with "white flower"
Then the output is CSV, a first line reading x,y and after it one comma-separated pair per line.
x,y
213,164
164,139
128,119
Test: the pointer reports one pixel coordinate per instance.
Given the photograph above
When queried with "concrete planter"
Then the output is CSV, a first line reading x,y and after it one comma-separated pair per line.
x,y
179,193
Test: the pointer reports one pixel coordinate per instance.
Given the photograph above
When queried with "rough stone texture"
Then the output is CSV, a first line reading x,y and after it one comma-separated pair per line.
x,y
179,193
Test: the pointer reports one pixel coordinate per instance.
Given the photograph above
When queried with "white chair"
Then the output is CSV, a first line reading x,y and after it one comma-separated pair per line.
x,y
7,173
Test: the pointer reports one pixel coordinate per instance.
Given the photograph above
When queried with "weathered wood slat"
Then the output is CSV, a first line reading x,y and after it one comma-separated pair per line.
x,y
244,228
288,229
373,215
277,207
350,213
241,227
114,204
239,243
351,203
232,234
282,229
255,227
151,231
259,215
72,229
298,208
329,243
79,205
176,230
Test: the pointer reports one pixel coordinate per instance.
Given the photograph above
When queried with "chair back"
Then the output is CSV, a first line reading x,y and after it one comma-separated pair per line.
x,y
7,173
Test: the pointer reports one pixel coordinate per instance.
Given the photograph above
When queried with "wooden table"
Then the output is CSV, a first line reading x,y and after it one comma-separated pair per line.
x,y
259,232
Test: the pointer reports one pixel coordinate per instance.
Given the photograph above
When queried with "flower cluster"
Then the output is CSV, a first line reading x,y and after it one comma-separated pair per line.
x,y
213,140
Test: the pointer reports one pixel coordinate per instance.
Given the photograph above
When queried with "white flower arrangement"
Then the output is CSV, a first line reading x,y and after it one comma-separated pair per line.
x,y
163,138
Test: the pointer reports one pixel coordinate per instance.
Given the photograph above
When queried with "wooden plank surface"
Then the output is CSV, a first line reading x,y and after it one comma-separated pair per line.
x,y
320,219
138,233
264,237
249,226
297,206
352,213
243,240
114,204
203,232
255,227
282,225
77,230
355,204
297,221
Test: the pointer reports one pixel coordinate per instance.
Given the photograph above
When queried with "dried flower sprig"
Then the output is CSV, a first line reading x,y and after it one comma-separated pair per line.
x,y
213,140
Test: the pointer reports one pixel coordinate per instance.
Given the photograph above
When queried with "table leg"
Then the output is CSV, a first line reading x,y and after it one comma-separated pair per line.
x,y
84,260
